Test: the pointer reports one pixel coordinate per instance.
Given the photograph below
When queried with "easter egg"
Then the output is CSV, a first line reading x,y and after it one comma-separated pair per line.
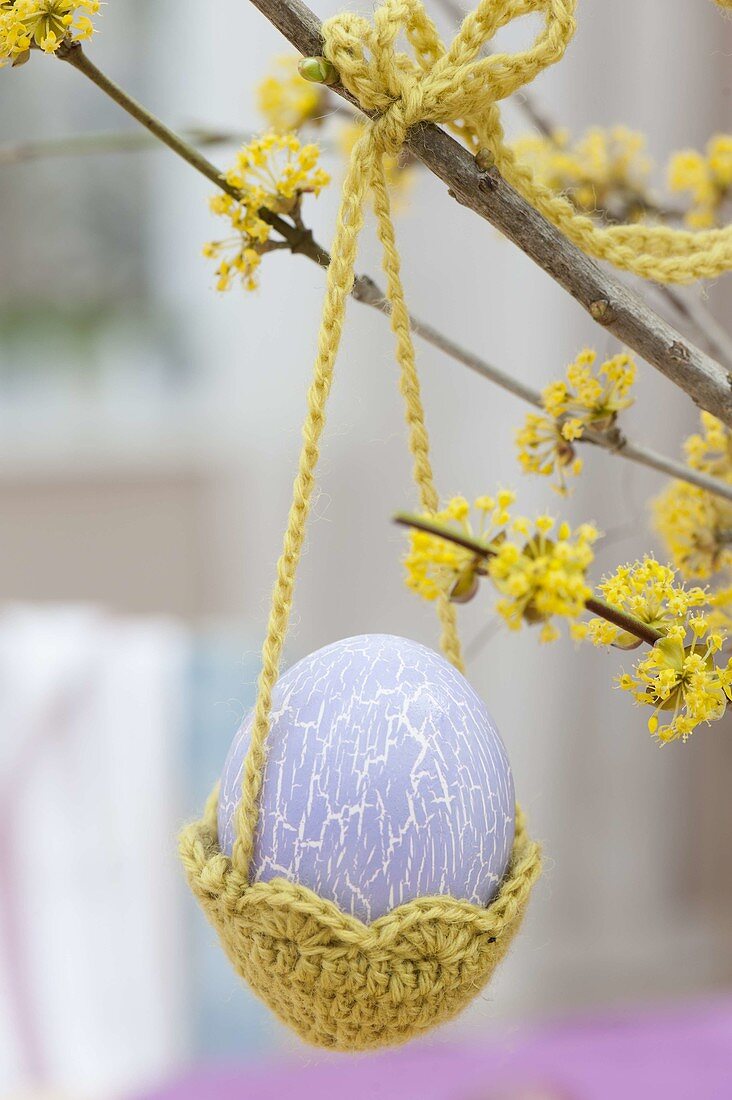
x,y
386,780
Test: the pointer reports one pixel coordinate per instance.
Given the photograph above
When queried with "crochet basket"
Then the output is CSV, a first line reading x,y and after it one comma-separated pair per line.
x,y
343,984
338,982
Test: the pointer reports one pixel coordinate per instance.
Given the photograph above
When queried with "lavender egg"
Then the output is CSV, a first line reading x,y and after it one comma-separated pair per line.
x,y
386,780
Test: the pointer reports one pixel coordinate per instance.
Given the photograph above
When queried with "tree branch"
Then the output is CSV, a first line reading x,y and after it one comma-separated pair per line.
x,y
597,606
487,194
18,152
699,319
365,289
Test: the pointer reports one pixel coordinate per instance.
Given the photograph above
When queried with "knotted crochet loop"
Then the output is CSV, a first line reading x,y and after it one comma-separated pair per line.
x,y
438,85
453,86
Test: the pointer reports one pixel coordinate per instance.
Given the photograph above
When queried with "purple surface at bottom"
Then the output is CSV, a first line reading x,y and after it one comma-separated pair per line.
x,y
680,1054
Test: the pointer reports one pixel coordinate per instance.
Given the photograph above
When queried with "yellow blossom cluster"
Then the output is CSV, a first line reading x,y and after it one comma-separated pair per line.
x,y
679,677
696,528
710,450
694,524
539,571
437,565
706,177
43,25
272,172
285,100
582,399
605,169
681,680
720,608
650,592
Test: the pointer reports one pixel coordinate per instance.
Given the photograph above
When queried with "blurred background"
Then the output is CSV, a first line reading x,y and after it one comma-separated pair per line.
x,y
149,430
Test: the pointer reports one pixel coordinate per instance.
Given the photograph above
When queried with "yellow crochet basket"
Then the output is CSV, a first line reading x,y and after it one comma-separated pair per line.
x,y
343,984
338,982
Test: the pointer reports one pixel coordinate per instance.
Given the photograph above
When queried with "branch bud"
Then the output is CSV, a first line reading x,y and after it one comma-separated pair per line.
x,y
318,70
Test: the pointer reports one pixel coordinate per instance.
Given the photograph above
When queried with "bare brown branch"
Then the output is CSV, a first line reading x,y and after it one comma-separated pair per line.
x,y
487,194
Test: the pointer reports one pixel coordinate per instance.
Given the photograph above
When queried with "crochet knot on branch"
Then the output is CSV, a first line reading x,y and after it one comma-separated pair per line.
x,y
459,86
452,85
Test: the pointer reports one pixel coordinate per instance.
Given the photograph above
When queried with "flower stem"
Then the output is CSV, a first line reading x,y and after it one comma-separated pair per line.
x,y
594,604
299,240
91,144
622,620
73,54
441,531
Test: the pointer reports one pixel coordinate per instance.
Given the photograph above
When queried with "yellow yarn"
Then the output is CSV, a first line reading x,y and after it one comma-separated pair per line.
x,y
445,84
338,982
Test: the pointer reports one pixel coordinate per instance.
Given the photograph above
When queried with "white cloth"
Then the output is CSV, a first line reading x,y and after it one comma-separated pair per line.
x,y
90,713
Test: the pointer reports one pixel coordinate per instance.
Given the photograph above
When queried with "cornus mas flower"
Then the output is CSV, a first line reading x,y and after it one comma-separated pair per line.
x,y
604,170
710,450
696,528
285,99
650,592
589,398
273,172
539,572
435,565
705,177
42,24
680,679
545,447
582,399
720,610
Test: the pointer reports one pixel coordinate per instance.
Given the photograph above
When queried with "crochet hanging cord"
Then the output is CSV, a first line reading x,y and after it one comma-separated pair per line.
x,y
339,982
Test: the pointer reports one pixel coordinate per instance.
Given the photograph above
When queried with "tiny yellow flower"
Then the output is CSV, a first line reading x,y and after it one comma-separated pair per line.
x,y
720,610
696,528
681,681
710,451
651,593
272,172
285,99
604,170
436,565
540,577
43,25
695,525
705,177
582,399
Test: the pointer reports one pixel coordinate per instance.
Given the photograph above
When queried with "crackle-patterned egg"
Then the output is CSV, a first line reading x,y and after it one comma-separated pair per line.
x,y
386,780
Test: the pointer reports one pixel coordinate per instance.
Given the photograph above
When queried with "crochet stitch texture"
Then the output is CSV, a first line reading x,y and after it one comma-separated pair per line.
x,y
338,982
455,87
343,984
